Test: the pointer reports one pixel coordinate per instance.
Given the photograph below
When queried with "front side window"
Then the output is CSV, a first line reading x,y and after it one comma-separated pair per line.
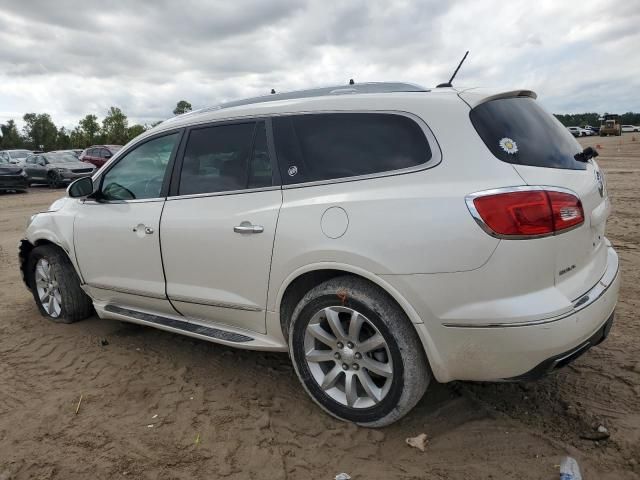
x,y
140,173
327,146
223,158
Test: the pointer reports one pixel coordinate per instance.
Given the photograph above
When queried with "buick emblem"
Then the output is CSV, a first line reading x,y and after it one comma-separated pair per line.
x,y
292,171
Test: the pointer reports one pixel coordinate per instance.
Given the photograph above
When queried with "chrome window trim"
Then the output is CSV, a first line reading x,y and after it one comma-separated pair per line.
x,y
118,202
228,192
582,302
520,188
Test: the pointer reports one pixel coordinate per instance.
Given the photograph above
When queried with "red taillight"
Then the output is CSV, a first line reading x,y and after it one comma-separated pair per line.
x,y
528,213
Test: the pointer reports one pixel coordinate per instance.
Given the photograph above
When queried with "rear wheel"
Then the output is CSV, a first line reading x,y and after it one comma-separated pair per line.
x,y
56,287
356,353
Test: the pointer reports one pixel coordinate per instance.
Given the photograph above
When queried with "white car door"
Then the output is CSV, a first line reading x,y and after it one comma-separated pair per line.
x,y
217,231
116,234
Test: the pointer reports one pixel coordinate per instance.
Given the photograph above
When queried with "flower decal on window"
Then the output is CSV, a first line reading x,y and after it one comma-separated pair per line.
x,y
508,145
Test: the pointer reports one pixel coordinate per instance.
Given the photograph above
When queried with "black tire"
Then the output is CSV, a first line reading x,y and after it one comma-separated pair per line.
x,y
75,304
53,180
411,371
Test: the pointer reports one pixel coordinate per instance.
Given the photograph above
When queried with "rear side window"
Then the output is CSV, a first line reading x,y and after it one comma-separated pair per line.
x,y
224,158
519,131
327,146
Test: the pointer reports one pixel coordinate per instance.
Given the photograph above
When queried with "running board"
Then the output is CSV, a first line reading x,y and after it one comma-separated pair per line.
x,y
184,326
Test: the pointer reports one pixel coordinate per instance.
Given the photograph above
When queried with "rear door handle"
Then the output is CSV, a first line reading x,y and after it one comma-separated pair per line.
x,y
248,227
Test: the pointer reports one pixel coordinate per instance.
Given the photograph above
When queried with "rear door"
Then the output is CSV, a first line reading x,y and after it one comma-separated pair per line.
x,y
542,151
218,227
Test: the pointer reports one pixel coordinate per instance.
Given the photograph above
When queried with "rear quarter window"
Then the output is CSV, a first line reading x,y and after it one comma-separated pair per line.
x,y
316,147
519,131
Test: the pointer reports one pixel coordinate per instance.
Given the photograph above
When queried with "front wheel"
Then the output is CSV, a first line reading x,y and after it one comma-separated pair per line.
x,y
56,287
53,180
356,353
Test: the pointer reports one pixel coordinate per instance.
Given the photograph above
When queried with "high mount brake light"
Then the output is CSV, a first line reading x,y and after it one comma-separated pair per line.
x,y
526,213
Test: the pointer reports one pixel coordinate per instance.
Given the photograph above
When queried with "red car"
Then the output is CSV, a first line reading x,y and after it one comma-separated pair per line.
x,y
99,154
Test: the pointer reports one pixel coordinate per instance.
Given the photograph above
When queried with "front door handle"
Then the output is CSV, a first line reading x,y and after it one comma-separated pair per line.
x,y
248,227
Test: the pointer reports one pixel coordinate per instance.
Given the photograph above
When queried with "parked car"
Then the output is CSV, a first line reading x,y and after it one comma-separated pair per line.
x,y
593,130
630,128
577,131
15,156
74,151
56,169
382,239
12,177
98,155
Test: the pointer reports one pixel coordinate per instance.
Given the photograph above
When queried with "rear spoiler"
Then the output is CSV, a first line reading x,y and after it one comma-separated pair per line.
x,y
477,96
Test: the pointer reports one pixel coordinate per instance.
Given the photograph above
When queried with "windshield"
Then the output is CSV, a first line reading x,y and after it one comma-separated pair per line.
x,y
61,158
19,154
519,131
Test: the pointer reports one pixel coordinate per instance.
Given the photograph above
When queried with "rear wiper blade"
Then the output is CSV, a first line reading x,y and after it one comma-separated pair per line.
x,y
586,155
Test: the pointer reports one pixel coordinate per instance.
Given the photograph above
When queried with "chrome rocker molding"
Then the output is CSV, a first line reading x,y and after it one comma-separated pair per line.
x,y
597,291
523,188
234,306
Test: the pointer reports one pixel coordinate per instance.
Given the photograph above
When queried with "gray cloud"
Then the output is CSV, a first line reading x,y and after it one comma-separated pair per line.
x,y
70,58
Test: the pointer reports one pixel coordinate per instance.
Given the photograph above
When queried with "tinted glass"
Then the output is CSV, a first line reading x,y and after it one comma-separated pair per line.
x,y
337,145
61,158
216,159
519,131
140,173
260,174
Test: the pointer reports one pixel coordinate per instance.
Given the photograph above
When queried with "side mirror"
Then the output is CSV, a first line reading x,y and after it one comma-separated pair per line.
x,y
82,187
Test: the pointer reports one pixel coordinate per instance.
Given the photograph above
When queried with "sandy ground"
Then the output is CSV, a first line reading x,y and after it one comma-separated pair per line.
x,y
157,405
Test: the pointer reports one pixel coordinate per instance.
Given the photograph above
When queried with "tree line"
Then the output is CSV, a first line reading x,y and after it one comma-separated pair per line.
x,y
582,119
41,133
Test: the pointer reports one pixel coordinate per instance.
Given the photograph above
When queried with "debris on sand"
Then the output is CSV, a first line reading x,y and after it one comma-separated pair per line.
x,y
78,407
104,342
569,469
343,476
420,442
601,433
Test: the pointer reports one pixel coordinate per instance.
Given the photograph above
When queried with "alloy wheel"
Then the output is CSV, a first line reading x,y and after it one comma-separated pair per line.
x,y
48,288
348,357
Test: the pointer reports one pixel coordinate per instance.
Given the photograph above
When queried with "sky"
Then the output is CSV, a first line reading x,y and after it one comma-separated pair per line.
x,y
69,58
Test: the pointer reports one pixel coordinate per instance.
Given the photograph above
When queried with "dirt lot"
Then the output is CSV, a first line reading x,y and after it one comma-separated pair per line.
x,y
157,405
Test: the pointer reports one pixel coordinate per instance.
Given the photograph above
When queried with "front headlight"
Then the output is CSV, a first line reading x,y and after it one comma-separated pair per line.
x,y
60,169
31,219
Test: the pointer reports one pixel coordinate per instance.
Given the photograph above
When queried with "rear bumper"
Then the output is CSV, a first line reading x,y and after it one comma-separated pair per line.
x,y
565,358
523,350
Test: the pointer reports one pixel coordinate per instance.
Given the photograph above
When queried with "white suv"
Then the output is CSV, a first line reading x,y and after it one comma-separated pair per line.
x,y
382,234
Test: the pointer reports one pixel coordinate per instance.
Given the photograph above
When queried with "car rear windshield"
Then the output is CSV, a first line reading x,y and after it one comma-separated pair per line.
x,y
519,131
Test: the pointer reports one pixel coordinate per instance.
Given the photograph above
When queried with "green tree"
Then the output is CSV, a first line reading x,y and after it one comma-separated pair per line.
x,y
134,130
10,135
89,130
40,131
77,138
63,141
115,126
182,107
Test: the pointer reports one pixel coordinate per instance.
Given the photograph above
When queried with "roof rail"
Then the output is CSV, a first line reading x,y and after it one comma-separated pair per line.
x,y
352,88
